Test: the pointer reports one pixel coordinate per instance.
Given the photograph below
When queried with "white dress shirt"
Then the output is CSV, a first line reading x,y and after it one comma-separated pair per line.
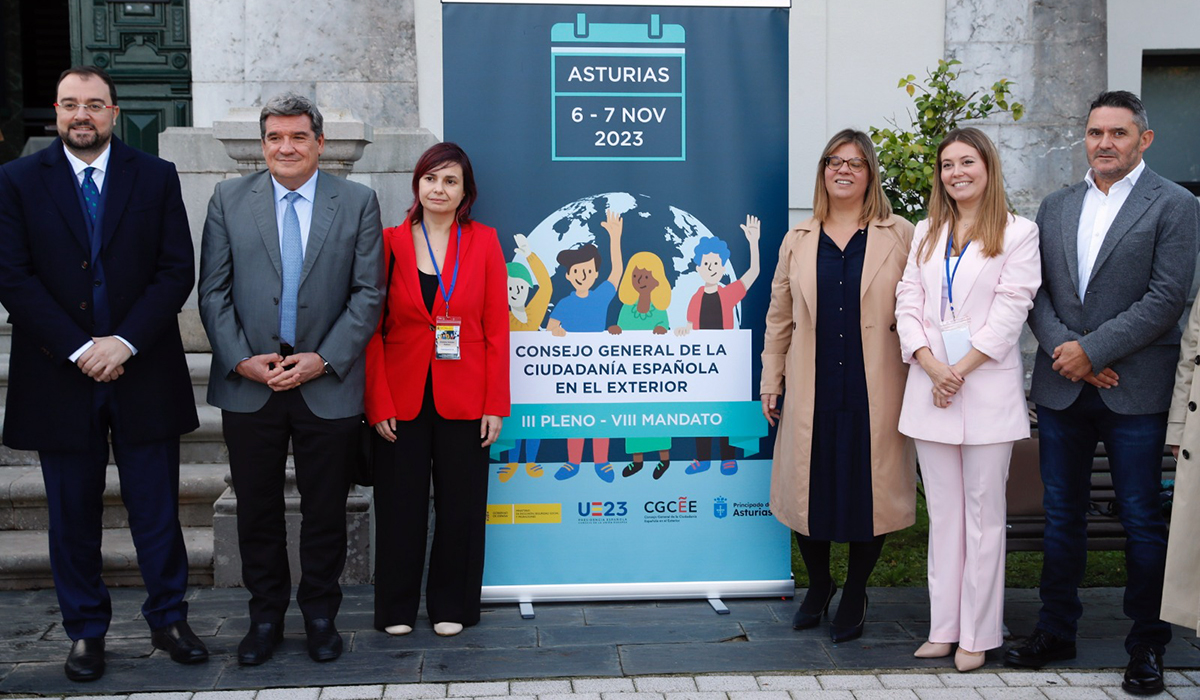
x,y
1099,210
101,166
303,205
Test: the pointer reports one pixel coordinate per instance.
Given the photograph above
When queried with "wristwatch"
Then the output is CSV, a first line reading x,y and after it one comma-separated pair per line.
x,y
328,368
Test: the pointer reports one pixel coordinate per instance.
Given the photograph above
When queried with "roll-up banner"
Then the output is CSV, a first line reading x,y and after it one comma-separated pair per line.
x,y
633,158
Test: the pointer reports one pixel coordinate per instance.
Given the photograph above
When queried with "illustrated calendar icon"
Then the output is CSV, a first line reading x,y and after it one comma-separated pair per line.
x,y
618,91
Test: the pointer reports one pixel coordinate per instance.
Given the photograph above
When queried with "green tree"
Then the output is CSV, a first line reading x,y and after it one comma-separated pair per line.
x,y
906,158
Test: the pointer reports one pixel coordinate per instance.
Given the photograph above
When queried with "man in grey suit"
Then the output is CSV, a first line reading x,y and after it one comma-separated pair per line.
x,y
290,292
1118,253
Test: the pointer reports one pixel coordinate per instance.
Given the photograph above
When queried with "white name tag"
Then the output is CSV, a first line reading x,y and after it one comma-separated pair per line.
x,y
956,335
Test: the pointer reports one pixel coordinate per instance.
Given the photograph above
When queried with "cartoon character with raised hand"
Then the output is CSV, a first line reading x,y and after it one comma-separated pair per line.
x,y
711,308
586,311
526,317
646,294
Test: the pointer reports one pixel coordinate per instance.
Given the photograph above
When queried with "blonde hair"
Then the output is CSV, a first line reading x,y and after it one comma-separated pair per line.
x,y
875,206
660,298
988,229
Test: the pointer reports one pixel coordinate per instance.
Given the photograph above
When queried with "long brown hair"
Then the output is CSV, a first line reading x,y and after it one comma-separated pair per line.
x,y
876,206
988,229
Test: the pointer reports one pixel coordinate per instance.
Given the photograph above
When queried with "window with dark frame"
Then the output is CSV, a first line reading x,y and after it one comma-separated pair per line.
x,y
1171,93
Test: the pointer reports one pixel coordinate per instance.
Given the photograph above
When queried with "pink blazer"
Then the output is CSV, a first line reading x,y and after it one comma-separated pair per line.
x,y
996,294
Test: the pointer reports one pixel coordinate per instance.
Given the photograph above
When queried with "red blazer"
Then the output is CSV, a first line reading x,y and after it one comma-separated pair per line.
x,y
397,365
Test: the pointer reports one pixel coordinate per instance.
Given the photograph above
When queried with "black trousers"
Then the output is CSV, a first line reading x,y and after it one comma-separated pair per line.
x,y
322,449
449,451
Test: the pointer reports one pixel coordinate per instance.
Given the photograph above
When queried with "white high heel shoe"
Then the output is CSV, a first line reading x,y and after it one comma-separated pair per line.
x,y
447,629
398,630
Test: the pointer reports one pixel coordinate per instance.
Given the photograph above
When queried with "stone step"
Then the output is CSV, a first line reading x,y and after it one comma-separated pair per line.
x,y
25,563
205,445
23,497
198,368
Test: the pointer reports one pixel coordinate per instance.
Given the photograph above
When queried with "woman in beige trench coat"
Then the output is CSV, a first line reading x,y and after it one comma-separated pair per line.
x,y
1181,585
842,471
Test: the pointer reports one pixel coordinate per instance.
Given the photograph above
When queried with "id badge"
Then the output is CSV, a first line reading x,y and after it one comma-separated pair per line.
x,y
446,336
956,335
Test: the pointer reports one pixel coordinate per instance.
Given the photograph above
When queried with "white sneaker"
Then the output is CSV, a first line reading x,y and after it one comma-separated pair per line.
x,y
447,629
397,630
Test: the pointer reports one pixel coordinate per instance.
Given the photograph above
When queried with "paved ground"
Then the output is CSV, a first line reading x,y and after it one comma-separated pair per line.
x,y
576,651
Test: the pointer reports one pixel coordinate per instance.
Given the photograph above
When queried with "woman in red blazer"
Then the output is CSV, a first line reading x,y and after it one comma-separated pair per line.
x,y
437,389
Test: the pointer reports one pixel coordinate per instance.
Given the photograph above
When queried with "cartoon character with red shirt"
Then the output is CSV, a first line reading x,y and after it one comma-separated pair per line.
x,y
711,308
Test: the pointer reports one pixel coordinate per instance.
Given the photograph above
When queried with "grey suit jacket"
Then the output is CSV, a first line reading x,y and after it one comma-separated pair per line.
x,y
1135,296
339,300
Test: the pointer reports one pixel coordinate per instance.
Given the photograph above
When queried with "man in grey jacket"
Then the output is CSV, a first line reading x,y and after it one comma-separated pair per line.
x,y
290,292
1118,254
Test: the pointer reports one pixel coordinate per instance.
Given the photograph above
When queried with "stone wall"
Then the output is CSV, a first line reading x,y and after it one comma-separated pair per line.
x,y
359,56
1054,50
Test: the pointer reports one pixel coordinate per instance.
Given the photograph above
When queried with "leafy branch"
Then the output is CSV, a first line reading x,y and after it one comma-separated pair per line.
x,y
906,157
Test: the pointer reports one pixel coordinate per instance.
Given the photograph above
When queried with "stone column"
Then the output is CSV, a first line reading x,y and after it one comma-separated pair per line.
x,y
1054,50
227,558
345,140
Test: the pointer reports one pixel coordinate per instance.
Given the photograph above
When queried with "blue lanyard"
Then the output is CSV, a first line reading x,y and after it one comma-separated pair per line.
x,y
950,275
454,278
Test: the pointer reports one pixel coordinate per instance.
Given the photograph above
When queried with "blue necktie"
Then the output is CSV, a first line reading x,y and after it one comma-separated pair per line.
x,y
293,260
91,194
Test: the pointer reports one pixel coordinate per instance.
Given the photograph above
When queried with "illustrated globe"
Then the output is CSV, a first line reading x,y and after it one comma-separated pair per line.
x,y
649,225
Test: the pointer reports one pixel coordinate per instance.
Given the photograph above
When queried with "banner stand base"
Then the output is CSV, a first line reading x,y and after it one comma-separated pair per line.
x,y
718,606
526,611
672,590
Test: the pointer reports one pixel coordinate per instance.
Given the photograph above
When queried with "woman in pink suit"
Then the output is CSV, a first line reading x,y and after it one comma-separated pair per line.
x,y
969,283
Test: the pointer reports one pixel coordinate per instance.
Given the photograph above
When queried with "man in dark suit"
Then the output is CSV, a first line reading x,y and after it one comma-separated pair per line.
x,y
1118,254
96,261
290,293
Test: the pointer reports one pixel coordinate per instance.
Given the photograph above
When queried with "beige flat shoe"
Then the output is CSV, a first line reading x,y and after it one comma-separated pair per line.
x,y
967,660
398,630
447,629
934,650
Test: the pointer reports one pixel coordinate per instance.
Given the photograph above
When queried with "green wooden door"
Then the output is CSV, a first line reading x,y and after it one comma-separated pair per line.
x,y
145,47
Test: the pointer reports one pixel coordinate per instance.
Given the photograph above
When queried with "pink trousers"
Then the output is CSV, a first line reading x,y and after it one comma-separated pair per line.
x,y
964,487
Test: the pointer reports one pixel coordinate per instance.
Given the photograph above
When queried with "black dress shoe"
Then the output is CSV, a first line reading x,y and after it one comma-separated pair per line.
x,y
1040,649
845,633
86,660
1144,674
259,643
804,620
182,643
324,642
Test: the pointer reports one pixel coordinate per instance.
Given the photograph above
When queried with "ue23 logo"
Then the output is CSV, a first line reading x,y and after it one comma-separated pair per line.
x,y
603,509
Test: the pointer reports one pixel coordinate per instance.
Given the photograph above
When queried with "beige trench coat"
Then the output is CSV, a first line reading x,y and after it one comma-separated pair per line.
x,y
789,350
1181,586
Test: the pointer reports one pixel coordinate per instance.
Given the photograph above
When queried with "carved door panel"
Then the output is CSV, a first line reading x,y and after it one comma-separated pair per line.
x,y
145,47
